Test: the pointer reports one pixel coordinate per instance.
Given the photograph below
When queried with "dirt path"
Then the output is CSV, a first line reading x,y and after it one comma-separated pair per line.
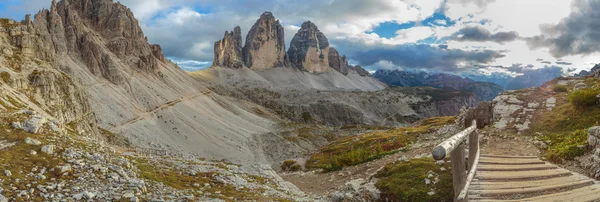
x,y
158,108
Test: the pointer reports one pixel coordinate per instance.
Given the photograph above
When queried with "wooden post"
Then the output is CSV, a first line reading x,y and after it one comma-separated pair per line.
x,y
473,148
459,175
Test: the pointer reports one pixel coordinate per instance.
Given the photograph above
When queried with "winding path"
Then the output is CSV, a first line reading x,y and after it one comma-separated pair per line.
x,y
158,108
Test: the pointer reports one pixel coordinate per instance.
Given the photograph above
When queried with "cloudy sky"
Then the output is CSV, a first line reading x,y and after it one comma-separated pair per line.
x,y
457,36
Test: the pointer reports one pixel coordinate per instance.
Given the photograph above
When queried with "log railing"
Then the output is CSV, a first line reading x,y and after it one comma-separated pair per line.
x,y
455,146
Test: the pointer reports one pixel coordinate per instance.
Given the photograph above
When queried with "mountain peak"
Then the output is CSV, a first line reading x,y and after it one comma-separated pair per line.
x,y
265,44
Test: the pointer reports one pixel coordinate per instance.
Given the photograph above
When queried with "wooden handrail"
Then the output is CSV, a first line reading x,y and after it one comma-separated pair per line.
x,y
455,146
451,143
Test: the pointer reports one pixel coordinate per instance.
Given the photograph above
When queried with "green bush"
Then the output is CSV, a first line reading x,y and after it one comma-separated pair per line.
x,y
560,89
565,146
5,77
405,181
583,98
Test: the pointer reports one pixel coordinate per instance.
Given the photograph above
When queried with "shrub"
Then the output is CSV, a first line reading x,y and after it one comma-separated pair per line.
x,y
560,89
583,98
291,165
5,77
405,181
565,146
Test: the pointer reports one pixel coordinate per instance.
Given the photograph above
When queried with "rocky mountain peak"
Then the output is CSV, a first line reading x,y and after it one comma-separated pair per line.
x,y
309,49
228,51
265,44
103,35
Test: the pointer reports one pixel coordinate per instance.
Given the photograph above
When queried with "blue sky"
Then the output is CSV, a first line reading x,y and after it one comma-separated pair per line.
x,y
435,35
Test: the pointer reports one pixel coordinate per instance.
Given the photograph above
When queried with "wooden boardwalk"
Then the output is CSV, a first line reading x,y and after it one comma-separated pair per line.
x,y
523,178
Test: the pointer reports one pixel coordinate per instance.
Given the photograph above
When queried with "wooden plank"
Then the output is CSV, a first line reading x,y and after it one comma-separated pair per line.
x,y
521,167
473,149
465,191
588,193
458,169
490,185
530,190
510,157
506,160
523,175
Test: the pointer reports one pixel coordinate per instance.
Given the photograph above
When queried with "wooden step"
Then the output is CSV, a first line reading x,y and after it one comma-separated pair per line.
x,y
494,185
522,175
587,193
509,157
520,167
531,190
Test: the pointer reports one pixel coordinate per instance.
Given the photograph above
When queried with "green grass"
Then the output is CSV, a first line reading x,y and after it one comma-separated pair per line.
x,y
560,88
355,150
565,146
405,181
5,76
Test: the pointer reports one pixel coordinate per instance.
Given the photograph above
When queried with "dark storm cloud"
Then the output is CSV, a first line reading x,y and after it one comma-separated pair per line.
x,y
480,34
421,56
577,34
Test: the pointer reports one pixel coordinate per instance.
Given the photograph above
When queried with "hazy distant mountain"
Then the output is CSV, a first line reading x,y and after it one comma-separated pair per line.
x,y
497,78
536,77
482,90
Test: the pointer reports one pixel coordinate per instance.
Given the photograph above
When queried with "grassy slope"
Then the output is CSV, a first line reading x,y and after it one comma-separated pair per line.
x,y
362,148
564,129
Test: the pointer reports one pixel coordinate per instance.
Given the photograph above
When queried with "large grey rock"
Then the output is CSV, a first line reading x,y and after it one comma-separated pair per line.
x,y
228,51
265,44
310,51
3,199
48,149
34,124
593,136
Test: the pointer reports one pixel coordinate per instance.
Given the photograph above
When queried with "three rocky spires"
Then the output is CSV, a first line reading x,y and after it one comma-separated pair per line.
x,y
265,49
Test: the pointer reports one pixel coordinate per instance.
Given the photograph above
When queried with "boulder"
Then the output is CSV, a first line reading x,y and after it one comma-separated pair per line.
x,y
265,44
31,141
228,51
579,86
34,124
48,149
593,136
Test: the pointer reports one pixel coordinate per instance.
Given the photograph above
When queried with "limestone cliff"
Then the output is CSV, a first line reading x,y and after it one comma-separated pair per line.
x,y
228,51
265,44
309,49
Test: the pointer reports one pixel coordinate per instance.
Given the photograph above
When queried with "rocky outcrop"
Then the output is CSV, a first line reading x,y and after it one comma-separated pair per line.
x,y
309,50
228,51
361,71
337,62
265,44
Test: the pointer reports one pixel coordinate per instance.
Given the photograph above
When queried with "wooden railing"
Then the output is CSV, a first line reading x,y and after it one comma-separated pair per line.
x,y
455,145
